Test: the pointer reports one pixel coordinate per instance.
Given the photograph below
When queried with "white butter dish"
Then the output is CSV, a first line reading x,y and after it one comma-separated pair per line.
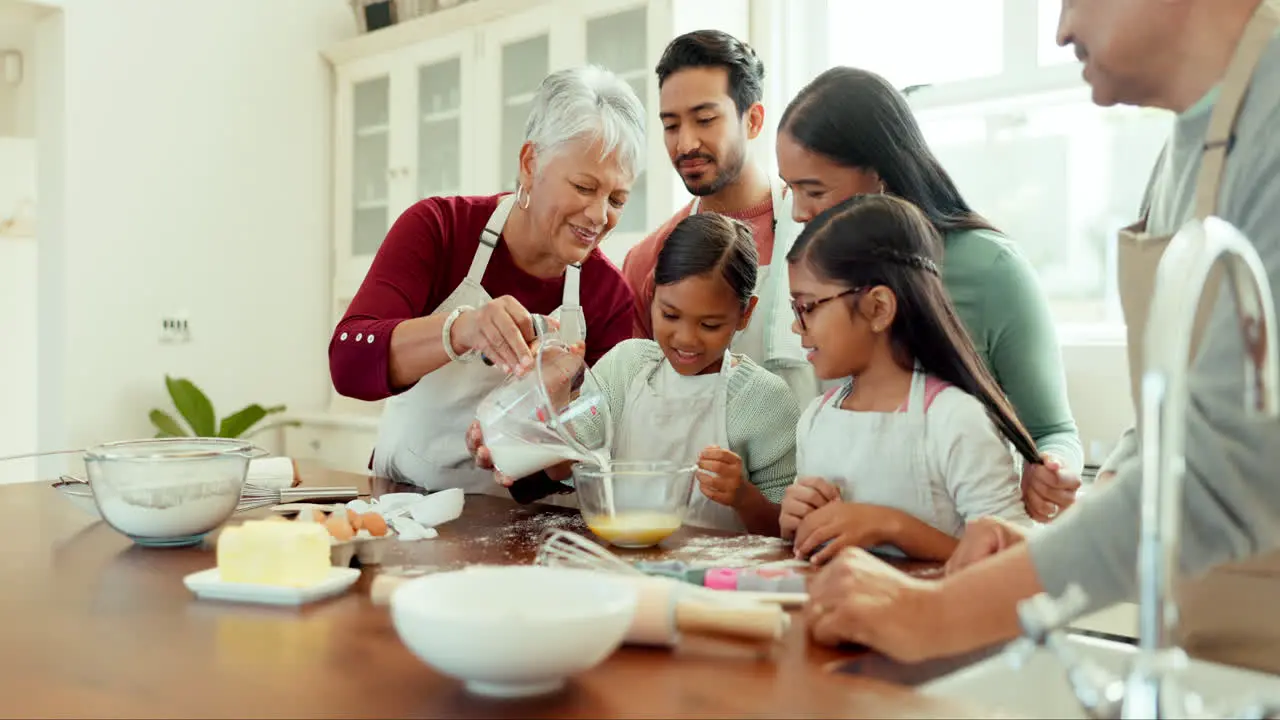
x,y
208,585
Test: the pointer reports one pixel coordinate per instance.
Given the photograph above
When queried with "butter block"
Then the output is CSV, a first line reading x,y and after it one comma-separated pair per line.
x,y
285,554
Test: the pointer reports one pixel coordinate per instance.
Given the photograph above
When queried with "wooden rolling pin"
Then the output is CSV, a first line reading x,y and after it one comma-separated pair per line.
x,y
665,612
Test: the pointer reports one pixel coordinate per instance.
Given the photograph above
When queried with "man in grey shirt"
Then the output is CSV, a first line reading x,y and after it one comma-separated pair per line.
x,y
1153,53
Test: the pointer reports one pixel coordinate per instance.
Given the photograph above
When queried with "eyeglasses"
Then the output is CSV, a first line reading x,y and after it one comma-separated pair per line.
x,y
803,309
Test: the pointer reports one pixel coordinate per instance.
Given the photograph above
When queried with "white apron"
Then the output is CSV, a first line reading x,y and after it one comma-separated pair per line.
x,y
1229,614
768,339
676,418
878,458
422,434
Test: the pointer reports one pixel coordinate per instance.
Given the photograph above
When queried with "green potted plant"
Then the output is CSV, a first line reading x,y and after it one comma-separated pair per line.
x,y
194,407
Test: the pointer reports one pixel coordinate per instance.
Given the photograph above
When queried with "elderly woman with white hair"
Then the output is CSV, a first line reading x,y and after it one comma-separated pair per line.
x,y
458,278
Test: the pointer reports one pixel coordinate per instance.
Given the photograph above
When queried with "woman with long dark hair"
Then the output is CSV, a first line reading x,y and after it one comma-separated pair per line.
x,y
849,132
913,444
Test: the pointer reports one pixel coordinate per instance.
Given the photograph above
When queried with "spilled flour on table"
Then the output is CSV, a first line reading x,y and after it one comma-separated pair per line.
x,y
522,533
730,552
516,540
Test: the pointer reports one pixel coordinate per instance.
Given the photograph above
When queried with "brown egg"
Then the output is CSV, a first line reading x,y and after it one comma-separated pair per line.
x,y
354,519
339,528
313,514
375,524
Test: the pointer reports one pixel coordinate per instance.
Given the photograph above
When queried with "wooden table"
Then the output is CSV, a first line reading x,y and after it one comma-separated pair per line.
x,y
94,626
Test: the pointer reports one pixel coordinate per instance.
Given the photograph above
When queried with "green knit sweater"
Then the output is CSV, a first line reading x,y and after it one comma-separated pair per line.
x,y
999,299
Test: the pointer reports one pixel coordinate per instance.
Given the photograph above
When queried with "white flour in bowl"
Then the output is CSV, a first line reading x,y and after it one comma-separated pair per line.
x,y
190,518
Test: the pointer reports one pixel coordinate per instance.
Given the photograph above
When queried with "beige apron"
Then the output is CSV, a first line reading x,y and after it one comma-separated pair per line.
x,y
421,436
1232,614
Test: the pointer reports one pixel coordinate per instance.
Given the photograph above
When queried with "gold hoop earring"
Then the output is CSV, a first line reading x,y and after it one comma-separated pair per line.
x,y
522,197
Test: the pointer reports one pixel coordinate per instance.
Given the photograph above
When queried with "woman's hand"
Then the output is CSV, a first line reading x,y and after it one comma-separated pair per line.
x,y
501,330
1047,490
481,455
563,379
837,525
858,598
983,538
719,476
802,497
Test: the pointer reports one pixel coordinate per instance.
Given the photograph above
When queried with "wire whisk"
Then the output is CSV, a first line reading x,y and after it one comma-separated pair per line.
x,y
252,497
562,548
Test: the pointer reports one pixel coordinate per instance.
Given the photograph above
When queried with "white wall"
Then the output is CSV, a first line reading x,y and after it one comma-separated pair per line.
x,y
194,155
18,366
17,103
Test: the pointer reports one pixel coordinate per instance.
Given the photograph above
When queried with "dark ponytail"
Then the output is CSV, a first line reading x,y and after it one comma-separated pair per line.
x,y
871,240
710,242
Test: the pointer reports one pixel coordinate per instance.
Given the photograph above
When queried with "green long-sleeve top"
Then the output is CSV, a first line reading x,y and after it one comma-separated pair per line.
x,y
999,299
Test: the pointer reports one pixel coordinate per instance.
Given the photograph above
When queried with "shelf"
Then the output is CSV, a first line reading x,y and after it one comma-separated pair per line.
x,y
372,130
366,205
442,116
518,100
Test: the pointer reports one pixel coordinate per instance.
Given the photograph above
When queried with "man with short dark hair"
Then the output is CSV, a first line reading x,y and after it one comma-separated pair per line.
x,y
711,85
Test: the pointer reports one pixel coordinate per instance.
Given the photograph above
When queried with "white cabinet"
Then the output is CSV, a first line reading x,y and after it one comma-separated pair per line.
x,y
331,441
438,105
400,135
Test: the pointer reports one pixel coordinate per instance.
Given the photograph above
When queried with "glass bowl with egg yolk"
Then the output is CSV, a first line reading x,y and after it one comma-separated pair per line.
x,y
633,504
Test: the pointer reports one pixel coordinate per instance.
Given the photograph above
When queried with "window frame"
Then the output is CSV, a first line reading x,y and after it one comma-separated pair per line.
x,y
780,25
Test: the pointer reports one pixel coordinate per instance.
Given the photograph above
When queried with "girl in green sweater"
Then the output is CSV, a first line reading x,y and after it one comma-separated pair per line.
x,y
849,132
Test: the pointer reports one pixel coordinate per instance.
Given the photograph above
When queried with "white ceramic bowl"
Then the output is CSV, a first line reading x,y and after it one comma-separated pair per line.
x,y
513,631
168,492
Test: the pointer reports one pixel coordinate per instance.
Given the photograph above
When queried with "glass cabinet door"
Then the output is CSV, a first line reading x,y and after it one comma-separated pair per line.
x,y
525,63
370,164
617,42
439,128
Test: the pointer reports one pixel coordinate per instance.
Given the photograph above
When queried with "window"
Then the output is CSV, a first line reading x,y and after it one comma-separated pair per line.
x,y
1005,109
1059,175
960,40
1047,49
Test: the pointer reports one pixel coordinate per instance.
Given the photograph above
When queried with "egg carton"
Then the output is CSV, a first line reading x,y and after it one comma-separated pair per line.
x,y
363,548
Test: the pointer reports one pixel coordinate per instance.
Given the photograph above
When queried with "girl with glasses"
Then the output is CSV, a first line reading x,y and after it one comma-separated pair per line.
x,y
915,443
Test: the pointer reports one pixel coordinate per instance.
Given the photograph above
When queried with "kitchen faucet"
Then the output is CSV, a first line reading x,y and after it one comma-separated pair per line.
x,y
1152,689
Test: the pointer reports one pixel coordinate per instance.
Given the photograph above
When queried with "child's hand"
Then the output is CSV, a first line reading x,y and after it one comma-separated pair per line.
x,y
804,496
719,475
836,526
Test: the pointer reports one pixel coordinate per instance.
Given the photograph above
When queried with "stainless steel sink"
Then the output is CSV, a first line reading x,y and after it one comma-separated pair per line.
x,y
1039,687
